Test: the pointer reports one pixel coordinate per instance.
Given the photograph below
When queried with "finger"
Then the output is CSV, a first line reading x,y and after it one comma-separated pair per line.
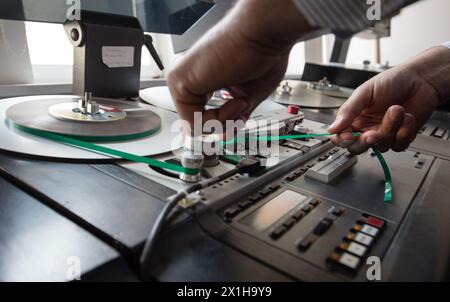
x,y
406,133
359,100
344,139
364,142
392,121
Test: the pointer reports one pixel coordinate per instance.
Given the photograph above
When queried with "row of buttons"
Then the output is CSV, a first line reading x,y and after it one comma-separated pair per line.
x,y
356,245
325,156
303,149
234,210
320,229
439,132
298,215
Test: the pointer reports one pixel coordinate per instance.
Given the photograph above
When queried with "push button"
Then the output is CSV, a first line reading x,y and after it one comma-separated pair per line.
x,y
376,222
266,192
244,204
289,222
307,208
354,248
299,214
255,197
231,212
291,177
323,226
304,243
315,202
278,232
293,109
361,238
349,261
338,211
273,188
369,230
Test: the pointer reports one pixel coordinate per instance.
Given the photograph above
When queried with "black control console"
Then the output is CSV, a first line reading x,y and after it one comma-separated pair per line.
x,y
318,214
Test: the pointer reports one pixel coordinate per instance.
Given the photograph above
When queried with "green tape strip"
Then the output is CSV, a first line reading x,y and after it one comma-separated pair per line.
x,y
278,138
156,163
107,151
387,175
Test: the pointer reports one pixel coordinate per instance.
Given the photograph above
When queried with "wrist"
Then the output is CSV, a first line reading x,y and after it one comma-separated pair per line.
x,y
273,27
433,66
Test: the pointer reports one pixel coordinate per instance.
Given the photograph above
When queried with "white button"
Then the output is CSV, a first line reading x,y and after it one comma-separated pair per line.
x,y
356,249
370,230
349,260
364,239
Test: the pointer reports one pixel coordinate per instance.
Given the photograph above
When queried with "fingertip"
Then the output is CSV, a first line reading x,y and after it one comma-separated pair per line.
x,y
370,137
337,126
396,113
335,140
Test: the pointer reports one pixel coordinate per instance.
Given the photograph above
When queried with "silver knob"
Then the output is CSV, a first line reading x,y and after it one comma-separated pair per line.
x,y
191,160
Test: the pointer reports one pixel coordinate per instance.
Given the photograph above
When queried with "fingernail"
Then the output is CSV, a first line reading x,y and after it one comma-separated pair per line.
x,y
335,123
394,115
371,140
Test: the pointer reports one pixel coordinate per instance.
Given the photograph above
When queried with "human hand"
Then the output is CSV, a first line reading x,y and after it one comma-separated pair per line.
x,y
246,53
390,108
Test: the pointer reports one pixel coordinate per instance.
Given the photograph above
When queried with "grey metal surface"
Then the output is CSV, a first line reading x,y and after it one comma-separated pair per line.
x,y
363,186
303,96
421,250
35,115
25,144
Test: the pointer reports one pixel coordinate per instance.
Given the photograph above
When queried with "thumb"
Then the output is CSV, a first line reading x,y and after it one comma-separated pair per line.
x,y
360,99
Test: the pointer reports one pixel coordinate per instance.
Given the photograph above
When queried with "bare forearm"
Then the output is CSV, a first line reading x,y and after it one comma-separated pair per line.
x,y
434,66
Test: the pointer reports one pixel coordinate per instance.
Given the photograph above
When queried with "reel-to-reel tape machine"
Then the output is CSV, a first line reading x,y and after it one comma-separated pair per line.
x,y
90,176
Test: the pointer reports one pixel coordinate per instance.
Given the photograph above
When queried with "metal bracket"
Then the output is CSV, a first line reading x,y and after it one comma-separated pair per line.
x,y
91,37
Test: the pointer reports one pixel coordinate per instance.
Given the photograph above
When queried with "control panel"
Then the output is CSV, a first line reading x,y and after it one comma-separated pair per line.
x,y
320,211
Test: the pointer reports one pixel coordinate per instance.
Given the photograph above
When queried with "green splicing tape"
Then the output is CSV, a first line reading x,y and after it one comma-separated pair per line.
x,y
387,175
278,138
107,151
159,164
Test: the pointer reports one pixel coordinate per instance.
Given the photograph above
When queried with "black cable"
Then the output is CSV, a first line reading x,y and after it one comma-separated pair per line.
x,y
164,172
247,165
172,202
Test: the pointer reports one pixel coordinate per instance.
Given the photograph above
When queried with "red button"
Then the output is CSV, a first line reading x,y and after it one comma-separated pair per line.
x,y
378,223
293,109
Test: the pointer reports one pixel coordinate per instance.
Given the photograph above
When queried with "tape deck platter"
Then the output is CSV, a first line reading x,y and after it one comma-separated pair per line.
x,y
320,94
144,131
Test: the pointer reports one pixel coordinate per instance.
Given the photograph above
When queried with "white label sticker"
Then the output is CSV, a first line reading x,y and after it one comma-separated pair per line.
x,y
118,56
357,249
364,239
349,260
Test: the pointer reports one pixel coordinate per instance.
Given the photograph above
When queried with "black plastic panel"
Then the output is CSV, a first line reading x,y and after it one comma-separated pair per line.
x,y
38,244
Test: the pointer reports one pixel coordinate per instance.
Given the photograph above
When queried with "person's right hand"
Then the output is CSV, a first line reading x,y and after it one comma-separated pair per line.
x,y
390,108
246,53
